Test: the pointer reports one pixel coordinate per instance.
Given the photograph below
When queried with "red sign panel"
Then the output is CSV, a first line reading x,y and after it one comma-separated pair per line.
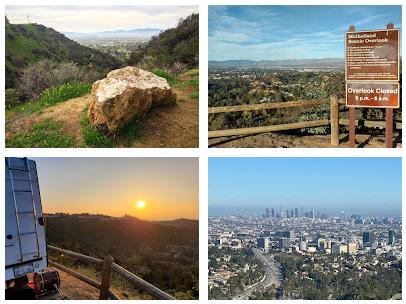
x,y
372,55
372,94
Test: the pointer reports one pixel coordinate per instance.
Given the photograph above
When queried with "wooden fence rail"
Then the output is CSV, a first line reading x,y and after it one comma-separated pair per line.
x,y
264,129
334,120
108,267
267,106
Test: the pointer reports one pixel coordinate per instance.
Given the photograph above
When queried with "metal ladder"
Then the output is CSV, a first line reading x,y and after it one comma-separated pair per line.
x,y
17,212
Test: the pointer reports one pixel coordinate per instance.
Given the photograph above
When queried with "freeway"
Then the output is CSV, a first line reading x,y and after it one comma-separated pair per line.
x,y
273,275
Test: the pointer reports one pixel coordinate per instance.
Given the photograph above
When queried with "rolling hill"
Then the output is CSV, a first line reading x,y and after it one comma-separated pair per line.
x,y
178,44
165,254
137,234
28,43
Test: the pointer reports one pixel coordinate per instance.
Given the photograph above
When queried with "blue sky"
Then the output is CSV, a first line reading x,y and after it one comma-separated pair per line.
x,y
290,32
366,186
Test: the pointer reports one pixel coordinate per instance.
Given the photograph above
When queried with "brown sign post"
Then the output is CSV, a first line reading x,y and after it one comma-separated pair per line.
x,y
372,74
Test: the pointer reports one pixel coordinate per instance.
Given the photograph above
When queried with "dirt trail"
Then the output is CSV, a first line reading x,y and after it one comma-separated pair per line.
x,y
75,289
69,112
171,126
278,140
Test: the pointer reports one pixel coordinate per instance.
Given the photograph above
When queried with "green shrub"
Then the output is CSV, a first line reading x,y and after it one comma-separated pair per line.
x,y
92,137
45,134
51,97
193,83
131,131
44,74
12,98
194,73
194,95
95,139
319,113
65,92
170,78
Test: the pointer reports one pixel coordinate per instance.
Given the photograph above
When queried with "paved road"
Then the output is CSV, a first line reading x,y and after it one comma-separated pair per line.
x,y
272,275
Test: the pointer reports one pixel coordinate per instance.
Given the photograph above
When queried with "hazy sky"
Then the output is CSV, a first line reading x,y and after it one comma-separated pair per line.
x,y
366,186
290,32
112,186
88,19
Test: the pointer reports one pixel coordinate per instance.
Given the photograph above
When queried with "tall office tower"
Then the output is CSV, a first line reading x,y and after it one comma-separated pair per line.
x,y
343,217
391,240
312,214
268,212
296,212
263,243
368,238
282,213
272,212
301,212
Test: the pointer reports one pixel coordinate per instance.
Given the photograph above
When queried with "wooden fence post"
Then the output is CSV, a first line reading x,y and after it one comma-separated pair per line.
x,y
389,117
106,278
389,128
334,121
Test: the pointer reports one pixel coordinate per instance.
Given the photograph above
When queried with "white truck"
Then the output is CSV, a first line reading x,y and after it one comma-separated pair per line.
x,y
26,250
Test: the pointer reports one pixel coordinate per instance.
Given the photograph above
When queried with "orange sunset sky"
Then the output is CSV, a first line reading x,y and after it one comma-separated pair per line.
x,y
148,188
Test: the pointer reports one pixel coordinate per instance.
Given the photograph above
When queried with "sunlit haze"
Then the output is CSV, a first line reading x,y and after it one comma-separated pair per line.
x,y
90,19
147,188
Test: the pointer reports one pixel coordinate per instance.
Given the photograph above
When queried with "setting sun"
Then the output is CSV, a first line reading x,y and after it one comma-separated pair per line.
x,y
140,204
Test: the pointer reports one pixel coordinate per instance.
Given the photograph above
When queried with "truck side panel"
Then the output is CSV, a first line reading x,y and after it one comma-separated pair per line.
x,y
25,230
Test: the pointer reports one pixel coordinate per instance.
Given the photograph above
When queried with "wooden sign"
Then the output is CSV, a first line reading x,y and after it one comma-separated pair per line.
x,y
372,94
372,55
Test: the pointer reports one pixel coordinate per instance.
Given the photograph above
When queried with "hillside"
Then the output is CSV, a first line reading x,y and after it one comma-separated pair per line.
x,y
163,254
28,43
139,235
176,45
61,124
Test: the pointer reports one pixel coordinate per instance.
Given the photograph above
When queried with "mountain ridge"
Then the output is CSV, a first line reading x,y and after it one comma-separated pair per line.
x,y
334,63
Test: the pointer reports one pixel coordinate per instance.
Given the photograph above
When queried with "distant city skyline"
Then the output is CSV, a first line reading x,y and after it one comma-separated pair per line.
x,y
91,19
362,186
277,32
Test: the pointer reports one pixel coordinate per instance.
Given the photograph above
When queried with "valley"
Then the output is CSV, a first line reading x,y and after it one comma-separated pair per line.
x,y
245,83
49,76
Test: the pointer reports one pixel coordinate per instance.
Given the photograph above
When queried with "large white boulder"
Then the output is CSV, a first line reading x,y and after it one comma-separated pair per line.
x,y
125,94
